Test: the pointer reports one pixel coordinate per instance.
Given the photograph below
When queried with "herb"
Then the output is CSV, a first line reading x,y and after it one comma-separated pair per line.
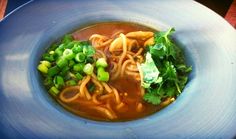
x,y
164,73
149,72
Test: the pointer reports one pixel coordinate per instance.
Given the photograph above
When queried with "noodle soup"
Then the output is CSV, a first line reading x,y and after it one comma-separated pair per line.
x,y
103,72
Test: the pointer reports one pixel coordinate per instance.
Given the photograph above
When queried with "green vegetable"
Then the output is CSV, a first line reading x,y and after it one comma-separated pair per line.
x,y
91,87
62,62
43,68
58,52
152,98
164,71
54,91
90,60
70,45
59,82
149,72
88,69
68,54
67,38
64,71
53,71
88,50
48,57
80,57
46,63
77,48
78,67
79,76
65,63
71,83
101,62
48,82
102,74
71,63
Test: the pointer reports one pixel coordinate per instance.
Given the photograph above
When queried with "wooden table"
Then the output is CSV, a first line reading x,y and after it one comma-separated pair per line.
x,y
230,15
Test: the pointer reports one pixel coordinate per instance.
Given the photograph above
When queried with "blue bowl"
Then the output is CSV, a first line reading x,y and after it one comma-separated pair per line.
x,y
205,109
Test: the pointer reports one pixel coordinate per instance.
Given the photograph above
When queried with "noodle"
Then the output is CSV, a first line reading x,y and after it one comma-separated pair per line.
x,y
94,98
98,84
64,99
116,95
139,52
106,96
107,87
124,66
104,111
83,90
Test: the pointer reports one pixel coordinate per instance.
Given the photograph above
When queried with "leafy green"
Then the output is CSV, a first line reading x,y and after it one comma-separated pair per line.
x,y
163,45
152,98
149,72
165,73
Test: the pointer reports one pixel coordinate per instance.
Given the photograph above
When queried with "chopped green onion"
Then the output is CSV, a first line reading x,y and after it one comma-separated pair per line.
x,y
77,49
64,70
52,47
71,63
79,76
53,71
68,54
101,62
58,52
88,69
46,63
88,50
61,46
51,52
78,67
80,57
70,45
48,81
43,68
54,91
48,57
102,74
62,62
90,60
70,76
59,82
71,83
67,38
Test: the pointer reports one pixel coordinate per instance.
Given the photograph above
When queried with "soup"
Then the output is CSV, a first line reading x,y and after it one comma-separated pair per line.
x,y
114,71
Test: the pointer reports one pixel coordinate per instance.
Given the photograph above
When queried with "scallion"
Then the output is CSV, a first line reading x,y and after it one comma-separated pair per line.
x,y
79,76
58,82
101,62
62,62
78,67
46,63
68,54
88,69
80,57
102,74
43,68
54,91
71,83
53,71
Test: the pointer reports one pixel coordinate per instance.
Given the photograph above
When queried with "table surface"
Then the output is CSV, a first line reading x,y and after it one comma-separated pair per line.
x,y
227,9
